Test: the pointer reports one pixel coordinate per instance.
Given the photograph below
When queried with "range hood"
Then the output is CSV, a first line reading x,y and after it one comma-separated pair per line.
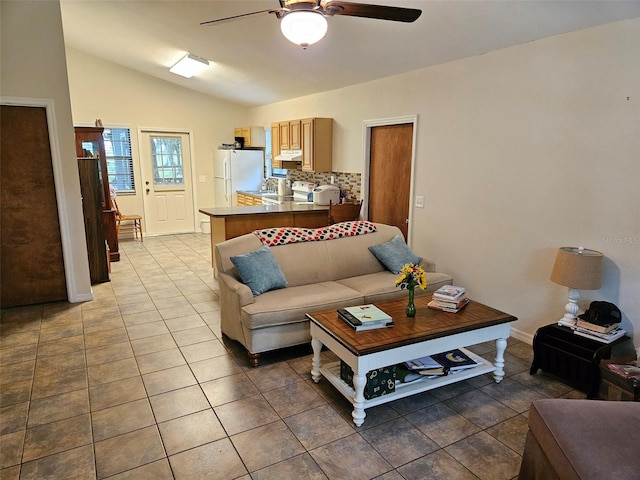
x,y
290,155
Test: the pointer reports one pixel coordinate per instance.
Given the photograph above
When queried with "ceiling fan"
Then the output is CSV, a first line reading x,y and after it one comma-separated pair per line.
x,y
304,22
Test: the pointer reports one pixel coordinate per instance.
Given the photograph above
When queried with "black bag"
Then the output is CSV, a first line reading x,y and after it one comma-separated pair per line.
x,y
602,313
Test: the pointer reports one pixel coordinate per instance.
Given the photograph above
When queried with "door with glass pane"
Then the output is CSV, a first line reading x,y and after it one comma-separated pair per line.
x,y
166,182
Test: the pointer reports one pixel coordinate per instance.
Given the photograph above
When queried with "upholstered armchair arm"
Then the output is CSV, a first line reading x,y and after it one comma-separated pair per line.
x,y
233,296
428,265
239,290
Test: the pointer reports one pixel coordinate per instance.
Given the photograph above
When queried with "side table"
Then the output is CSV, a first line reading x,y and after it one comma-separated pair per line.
x,y
572,358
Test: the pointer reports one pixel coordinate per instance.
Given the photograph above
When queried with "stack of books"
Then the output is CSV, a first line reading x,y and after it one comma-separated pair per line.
x,y
438,365
364,317
449,298
602,332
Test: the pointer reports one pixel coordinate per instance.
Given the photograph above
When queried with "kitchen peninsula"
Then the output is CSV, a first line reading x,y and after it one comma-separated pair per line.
x,y
230,222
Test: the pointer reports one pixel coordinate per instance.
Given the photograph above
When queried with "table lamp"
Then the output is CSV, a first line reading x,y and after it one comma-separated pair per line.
x,y
578,269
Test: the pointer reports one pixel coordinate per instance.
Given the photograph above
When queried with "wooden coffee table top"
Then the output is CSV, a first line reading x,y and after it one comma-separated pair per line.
x,y
426,325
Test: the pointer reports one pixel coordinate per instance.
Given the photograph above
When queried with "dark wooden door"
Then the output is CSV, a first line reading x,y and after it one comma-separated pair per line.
x,y
31,262
390,175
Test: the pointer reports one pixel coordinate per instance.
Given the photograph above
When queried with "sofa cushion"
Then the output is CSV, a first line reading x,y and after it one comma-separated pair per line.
x,y
377,287
290,305
395,254
259,270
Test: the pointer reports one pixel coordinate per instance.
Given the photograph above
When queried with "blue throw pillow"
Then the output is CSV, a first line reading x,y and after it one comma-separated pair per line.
x,y
394,254
259,270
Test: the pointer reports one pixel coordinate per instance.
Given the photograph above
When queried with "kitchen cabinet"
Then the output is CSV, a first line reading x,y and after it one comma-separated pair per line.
x,y
275,145
243,200
317,145
285,136
295,139
253,136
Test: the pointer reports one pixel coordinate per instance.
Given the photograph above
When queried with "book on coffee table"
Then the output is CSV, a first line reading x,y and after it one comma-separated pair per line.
x,y
368,313
359,326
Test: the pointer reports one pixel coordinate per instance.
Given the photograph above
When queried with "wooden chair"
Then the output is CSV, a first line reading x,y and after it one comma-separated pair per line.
x,y
344,212
133,223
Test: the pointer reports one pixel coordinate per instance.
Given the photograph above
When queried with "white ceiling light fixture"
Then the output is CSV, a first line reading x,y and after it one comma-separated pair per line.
x,y
189,65
304,27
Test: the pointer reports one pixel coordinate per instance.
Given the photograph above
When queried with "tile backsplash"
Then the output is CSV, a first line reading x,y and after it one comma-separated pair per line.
x,y
351,182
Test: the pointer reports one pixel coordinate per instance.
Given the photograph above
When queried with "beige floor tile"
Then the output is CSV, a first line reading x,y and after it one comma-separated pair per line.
x,y
473,452
153,344
117,392
66,381
202,350
108,353
58,407
438,465
153,362
125,452
167,380
350,457
57,437
120,419
112,371
228,389
266,445
301,466
178,403
75,463
189,431
214,461
245,414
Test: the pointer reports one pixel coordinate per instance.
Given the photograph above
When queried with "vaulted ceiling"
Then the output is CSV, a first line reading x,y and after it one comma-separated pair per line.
x,y
253,64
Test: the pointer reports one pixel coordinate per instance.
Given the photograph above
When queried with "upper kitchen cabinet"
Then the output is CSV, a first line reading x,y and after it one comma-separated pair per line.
x,y
275,145
317,145
253,136
289,138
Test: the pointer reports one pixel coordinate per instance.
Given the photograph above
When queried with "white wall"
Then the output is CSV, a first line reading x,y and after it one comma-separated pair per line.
x,y
122,97
519,152
33,67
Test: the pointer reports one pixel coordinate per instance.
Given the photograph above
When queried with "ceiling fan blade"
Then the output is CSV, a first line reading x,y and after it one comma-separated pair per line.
x,y
381,12
277,11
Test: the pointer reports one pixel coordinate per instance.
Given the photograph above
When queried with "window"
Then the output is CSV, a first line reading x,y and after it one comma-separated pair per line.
x,y
117,144
166,160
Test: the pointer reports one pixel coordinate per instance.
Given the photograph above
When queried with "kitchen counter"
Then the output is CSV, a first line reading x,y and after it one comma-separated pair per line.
x,y
230,222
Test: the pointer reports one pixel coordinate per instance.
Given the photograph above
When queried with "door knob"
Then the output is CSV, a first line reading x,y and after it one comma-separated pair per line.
x,y
146,183
148,191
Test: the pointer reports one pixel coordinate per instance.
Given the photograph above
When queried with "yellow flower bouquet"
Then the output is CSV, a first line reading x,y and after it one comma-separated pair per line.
x,y
412,276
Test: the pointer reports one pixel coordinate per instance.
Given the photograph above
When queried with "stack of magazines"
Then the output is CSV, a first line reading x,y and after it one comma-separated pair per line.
x,y
364,317
438,365
606,337
449,298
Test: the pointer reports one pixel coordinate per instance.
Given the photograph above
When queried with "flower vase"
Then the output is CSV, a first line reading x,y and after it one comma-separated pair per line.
x,y
411,307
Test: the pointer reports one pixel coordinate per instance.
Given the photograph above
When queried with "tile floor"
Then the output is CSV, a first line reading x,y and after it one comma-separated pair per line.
x,y
140,384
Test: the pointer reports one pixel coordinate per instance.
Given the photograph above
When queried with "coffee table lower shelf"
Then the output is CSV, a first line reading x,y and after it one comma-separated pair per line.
x,y
331,372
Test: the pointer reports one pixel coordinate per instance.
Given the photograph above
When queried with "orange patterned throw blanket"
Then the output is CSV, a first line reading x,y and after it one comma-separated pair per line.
x,y
283,235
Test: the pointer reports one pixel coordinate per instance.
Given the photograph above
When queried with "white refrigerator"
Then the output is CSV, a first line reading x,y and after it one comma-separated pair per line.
x,y
235,170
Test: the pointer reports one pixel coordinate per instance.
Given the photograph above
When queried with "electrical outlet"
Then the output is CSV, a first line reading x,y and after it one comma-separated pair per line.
x,y
419,201
202,179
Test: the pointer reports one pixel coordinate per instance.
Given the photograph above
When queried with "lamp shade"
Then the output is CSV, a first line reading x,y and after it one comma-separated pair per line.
x,y
578,268
303,27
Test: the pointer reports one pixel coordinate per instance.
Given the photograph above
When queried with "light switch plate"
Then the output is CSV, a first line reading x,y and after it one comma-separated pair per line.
x,y
419,201
202,178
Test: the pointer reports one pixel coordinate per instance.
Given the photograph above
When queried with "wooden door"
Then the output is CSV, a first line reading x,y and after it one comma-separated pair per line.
x,y
31,261
390,175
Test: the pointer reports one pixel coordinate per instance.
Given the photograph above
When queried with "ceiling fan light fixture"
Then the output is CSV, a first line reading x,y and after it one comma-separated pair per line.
x,y
189,65
304,28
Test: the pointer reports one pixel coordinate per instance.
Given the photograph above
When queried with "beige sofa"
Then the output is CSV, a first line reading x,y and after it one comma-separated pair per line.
x,y
321,275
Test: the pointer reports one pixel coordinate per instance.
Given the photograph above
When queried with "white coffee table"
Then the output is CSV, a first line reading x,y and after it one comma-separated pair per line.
x,y
429,332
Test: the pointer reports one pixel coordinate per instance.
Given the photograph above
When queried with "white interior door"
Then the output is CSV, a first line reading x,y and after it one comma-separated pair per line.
x,y
167,187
